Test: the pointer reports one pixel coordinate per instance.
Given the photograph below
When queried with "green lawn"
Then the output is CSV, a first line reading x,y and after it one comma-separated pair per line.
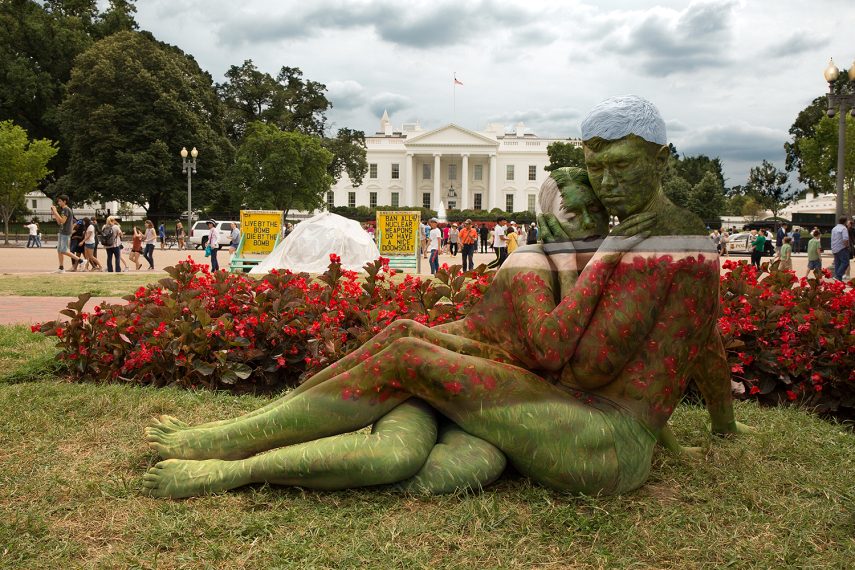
x,y
73,284
73,456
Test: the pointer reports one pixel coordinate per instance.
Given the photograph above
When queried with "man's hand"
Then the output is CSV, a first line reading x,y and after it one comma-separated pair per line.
x,y
639,224
552,230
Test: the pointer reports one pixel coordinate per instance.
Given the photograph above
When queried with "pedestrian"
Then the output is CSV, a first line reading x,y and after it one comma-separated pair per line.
x,y
76,246
758,244
468,238
511,237
149,240
65,220
162,232
499,243
434,245
39,239
453,238
112,240
786,255
779,238
32,239
445,231
531,237
840,247
89,245
814,254
483,234
136,247
725,239
289,227
234,242
179,235
213,244
424,238
797,241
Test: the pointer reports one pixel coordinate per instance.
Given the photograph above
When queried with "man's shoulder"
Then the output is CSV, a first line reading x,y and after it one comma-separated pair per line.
x,y
677,221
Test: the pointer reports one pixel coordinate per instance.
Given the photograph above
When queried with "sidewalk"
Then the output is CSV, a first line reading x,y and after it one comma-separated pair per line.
x,y
15,309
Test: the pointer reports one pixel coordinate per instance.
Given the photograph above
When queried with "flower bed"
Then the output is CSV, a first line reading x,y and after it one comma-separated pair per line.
x,y
220,330
790,339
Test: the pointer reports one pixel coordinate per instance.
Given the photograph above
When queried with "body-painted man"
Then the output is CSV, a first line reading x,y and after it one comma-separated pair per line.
x,y
593,434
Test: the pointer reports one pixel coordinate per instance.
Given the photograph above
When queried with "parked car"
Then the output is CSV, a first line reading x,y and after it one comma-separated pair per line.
x,y
739,244
200,231
193,216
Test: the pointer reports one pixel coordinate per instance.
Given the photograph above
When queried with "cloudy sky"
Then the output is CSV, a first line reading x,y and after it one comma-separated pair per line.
x,y
729,76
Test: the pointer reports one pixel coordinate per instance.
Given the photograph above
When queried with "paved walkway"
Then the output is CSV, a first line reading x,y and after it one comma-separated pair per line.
x,y
15,309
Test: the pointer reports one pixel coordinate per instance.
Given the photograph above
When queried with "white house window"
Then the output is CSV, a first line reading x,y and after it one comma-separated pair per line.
x,y
351,199
426,171
477,202
426,200
372,170
395,203
452,172
509,203
396,172
531,198
330,200
509,172
478,172
532,172
372,199
35,204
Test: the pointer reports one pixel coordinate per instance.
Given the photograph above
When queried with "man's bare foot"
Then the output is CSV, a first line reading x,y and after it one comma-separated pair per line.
x,y
175,441
177,478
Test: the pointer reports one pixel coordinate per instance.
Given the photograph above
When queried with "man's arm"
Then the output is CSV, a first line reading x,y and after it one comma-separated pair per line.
x,y
59,219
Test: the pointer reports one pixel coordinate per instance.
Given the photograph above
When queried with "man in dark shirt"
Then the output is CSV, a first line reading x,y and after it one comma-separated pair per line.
x,y
483,233
65,218
797,241
779,238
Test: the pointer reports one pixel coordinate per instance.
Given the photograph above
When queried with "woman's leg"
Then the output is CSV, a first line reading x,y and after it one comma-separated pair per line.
x,y
215,266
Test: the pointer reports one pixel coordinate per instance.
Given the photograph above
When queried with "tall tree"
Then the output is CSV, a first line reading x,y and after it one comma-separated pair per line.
x,y
707,198
279,169
678,190
819,157
132,104
770,185
752,209
23,163
348,150
38,45
563,154
805,127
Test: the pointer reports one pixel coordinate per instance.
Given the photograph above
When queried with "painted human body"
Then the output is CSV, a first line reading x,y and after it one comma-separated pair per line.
x,y
591,432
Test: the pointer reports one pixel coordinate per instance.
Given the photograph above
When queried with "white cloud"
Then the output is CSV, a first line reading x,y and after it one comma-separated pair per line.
x,y
391,102
346,95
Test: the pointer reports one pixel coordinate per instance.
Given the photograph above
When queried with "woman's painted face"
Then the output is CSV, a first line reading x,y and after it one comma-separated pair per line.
x,y
583,212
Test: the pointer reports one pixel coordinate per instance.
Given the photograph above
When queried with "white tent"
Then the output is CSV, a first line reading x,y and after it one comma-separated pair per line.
x,y
309,246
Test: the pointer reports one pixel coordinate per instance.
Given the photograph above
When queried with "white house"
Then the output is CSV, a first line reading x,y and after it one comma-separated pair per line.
x,y
463,169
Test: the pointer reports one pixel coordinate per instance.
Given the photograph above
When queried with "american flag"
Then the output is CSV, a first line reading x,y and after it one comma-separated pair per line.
x,y
457,82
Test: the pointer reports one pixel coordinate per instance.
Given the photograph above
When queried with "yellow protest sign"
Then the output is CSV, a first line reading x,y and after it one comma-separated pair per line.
x,y
261,227
398,232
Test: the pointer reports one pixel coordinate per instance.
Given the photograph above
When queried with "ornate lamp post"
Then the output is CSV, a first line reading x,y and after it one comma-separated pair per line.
x,y
841,101
189,166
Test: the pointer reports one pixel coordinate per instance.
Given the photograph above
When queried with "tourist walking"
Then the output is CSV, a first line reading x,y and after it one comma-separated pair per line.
x,y
840,247
468,238
89,245
111,238
851,231
179,235
531,237
779,238
786,255
511,238
453,238
65,219
234,243
814,252
797,241
725,239
213,244
149,239
162,233
33,238
483,233
136,247
758,244
434,245
499,243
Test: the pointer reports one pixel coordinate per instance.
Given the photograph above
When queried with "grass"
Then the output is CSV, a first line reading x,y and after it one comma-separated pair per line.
x,y
73,284
72,458
25,356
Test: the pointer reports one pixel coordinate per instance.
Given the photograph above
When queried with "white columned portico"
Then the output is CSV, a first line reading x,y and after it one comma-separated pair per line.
x,y
491,202
409,193
435,202
464,186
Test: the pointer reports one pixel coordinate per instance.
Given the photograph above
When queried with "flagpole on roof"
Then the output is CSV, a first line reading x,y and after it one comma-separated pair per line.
x,y
454,116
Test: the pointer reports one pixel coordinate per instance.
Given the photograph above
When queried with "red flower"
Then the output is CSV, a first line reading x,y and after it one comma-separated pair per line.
x,y
755,390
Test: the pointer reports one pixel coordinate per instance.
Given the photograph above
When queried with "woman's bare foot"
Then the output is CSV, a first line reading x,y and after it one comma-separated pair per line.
x,y
176,478
173,439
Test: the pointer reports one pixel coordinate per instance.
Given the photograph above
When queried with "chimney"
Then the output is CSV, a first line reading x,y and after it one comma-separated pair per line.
x,y
520,130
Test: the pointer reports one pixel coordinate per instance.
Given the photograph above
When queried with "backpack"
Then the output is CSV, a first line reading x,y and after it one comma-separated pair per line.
x,y
107,235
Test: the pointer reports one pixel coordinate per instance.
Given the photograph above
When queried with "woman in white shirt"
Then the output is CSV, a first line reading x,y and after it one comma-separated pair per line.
x,y
214,244
150,238
89,246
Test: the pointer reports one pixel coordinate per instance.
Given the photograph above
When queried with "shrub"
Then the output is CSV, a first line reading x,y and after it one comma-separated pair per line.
x,y
220,330
789,340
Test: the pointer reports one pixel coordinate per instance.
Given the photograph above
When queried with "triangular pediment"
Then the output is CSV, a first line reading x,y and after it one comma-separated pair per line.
x,y
450,135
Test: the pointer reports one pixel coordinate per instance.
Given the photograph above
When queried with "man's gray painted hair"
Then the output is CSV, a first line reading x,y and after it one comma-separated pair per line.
x,y
619,116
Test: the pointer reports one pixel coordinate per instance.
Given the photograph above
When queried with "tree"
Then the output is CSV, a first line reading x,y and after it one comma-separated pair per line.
x,y
38,46
132,104
804,127
707,198
349,155
280,170
563,154
752,209
770,186
678,190
23,163
819,157
734,204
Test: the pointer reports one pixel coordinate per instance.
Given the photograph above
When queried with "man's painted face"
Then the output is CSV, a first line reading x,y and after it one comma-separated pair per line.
x,y
624,176
583,212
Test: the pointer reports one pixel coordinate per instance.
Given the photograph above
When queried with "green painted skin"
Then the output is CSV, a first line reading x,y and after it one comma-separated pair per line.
x,y
620,371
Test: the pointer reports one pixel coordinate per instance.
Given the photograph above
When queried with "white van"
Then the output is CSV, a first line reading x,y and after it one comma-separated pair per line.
x,y
200,231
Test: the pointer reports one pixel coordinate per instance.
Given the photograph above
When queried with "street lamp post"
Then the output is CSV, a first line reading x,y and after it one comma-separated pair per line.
x,y
189,166
842,101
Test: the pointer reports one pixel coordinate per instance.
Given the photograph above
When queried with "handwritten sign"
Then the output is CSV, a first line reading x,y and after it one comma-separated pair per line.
x,y
399,232
260,228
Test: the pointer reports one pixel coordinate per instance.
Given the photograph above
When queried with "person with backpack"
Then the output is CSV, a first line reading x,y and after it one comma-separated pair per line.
x,y
110,238
531,236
